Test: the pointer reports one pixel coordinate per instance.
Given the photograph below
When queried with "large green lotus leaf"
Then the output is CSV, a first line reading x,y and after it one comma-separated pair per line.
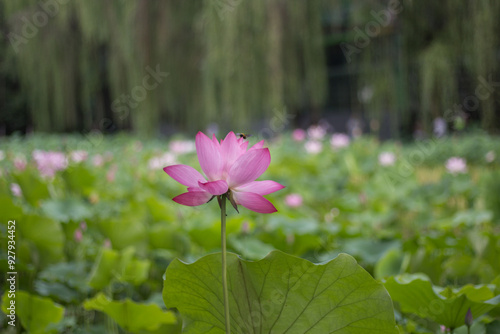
x,y
35,313
279,294
416,294
9,209
67,209
79,179
127,231
132,316
33,189
43,234
120,266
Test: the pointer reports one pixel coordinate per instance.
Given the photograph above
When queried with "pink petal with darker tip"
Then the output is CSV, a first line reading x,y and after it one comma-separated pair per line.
x,y
208,156
260,187
248,167
215,187
184,174
193,198
254,202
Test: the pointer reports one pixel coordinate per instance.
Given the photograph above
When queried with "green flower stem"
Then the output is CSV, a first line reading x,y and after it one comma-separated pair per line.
x,y
224,264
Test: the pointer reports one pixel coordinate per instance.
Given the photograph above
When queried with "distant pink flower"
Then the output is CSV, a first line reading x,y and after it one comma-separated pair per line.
x,y
386,159
98,160
298,135
339,140
316,132
83,225
78,235
20,163
159,162
111,174
107,243
78,156
293,200
456,165
313,146
48,163
230,169
16,190
182,146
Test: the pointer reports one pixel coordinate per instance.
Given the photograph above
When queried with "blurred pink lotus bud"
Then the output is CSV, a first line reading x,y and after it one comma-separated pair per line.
x,y
316,132
98,160
111,174
299,135
339,140
245,227
468,318
456,165
313,146
182,146
20,163
293,200
48,163
78,156
386,159
83,225
107,243
161,161
78,235
16,190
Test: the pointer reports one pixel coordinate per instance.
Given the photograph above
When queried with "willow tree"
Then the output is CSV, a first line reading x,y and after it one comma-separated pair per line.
x,y
224,61
432,60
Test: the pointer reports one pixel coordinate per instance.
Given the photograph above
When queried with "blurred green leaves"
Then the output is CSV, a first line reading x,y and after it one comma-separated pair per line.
x,y
130,315
37,314
446,306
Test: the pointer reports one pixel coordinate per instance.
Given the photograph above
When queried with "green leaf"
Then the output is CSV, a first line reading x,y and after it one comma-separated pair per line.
x,y
279,294
35,313
120,266
389,264
66,209
130,315
33,189
446,306
45,235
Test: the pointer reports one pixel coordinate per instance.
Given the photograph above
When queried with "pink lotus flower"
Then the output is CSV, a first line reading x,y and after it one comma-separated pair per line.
x,y
339,140
230,169
313,146
78,235
79,156
456,165
98,160
16,190
20,163
386,159
182,146
298,135
293,200
158,162
316,132
48,163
